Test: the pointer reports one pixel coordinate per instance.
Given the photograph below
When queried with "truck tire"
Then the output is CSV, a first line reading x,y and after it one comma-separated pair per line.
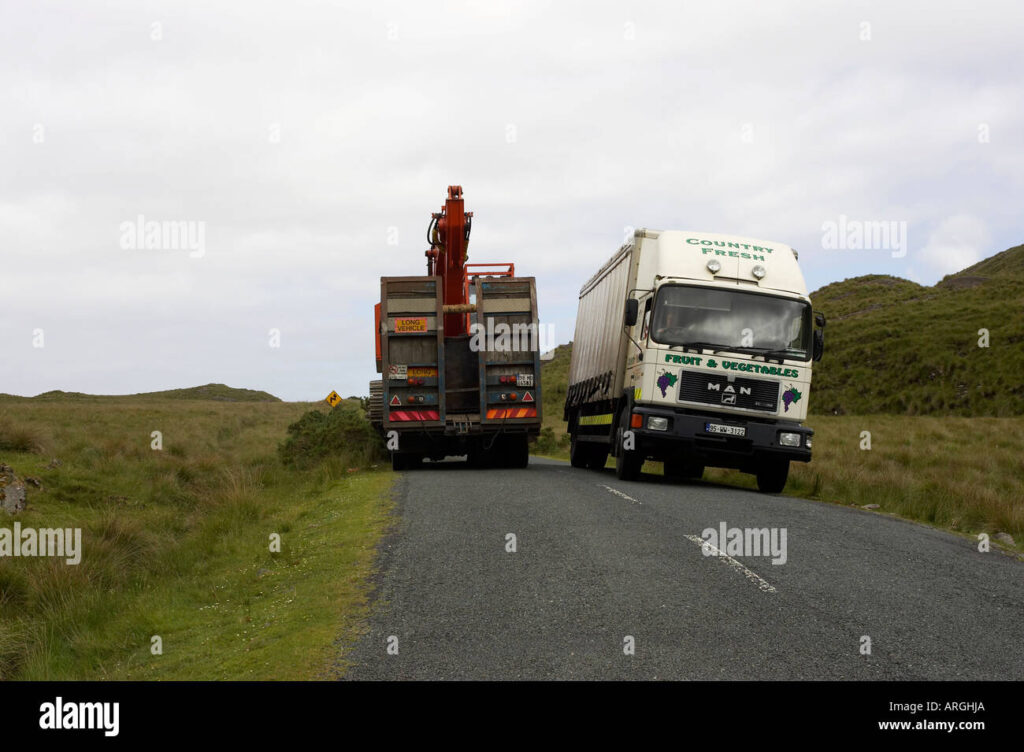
x,y
598,457
517,451
681,469
579,453
627,463
401,462
772,476
475,458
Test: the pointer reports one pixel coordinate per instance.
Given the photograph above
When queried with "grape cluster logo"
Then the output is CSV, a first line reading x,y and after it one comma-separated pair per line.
x,y
665,380
790,396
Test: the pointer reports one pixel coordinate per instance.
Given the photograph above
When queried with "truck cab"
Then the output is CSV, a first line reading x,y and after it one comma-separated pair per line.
x,y
719,341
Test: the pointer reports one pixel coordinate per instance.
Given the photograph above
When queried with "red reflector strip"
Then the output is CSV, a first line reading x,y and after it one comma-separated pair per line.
x,y
414,415
512,412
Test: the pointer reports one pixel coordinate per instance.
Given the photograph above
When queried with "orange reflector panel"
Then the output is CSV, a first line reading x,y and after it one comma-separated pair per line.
x,y
512,412
637,421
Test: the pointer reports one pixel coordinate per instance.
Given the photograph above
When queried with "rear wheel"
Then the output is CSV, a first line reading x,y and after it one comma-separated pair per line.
x,y
518,451
627,461
579,452
772,476
598,457
405,461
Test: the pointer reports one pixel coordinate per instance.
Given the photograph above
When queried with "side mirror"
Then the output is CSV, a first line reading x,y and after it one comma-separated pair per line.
x,y
632,311
819,336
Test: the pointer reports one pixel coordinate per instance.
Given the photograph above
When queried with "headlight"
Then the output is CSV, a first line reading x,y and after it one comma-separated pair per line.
x,y
657,424
789,439
759,271
714,266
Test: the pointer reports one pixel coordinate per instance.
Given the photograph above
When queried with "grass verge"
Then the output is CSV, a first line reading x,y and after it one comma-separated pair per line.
x,y
177,544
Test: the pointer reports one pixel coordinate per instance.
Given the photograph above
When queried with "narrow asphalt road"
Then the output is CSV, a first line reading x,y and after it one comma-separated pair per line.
x,y
601,565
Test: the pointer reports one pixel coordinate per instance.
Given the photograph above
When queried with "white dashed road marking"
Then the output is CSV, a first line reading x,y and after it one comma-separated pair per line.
x,y
617,492
726,559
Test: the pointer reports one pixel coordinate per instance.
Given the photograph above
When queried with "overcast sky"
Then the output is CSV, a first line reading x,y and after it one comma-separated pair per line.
x,y
311,142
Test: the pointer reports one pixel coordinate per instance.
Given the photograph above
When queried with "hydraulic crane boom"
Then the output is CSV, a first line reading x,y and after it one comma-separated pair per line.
x,y
459,355
448,236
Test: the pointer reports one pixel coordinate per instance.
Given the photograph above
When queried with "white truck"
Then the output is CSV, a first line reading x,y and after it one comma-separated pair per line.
x,y
694,349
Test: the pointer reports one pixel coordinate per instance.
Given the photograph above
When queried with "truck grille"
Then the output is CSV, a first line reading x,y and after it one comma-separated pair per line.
x,y
714,389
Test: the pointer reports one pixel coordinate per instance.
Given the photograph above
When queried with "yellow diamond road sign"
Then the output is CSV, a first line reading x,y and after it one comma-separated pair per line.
x,y
333,399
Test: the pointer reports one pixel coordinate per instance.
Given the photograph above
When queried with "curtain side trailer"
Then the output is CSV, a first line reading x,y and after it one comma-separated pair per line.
x,y
694,349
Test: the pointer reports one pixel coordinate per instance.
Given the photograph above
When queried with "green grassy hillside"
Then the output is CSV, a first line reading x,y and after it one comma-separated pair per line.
x,y
896,347
216,392
554,378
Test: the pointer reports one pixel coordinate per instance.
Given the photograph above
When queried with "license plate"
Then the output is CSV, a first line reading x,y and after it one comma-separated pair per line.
x,y
524,379
727,430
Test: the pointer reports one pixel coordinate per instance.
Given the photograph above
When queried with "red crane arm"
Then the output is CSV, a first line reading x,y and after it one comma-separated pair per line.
x,y
449,241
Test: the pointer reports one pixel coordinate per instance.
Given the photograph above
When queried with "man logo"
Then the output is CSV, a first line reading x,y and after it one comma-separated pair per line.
x,y
729,393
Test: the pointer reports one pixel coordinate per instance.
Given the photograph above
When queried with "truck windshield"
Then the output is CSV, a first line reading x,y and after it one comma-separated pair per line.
x,y
731,319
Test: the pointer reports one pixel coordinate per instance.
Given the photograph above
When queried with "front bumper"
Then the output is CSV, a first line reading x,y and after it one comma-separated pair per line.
x,y
686,433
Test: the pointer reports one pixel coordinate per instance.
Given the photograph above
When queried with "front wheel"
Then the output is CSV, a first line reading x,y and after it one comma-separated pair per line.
x,y
677,469
627,461
772,476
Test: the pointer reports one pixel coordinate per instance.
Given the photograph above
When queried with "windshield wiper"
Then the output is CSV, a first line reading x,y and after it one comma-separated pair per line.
x,y
764,352
698,347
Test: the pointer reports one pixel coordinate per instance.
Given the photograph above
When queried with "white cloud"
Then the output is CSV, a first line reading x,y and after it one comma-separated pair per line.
x,y
958,242
613,129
